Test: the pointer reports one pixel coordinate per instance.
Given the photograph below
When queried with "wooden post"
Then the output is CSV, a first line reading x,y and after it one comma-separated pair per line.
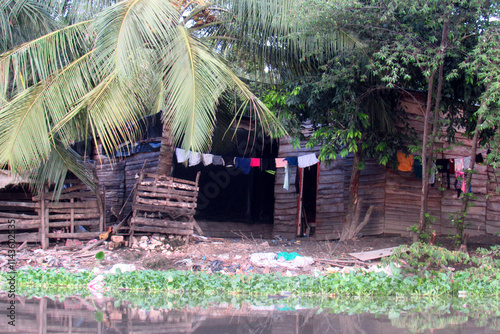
x,y
102,208
43,221
72,217
134,212
299,208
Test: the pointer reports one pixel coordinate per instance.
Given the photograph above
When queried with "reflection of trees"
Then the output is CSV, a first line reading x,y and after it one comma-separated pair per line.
x,y
421,322
349,324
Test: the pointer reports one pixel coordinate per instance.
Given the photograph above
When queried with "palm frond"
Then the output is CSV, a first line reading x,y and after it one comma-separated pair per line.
x,y
34,61
24,20
55,168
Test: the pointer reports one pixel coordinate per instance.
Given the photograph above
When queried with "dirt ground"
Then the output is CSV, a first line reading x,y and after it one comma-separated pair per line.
x,y
215,255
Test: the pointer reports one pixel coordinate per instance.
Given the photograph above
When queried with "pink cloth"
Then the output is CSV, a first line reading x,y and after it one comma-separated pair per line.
x,y
461,175
255,162
280,162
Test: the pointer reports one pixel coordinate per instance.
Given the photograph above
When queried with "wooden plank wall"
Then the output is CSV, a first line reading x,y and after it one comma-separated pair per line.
x,y
285,201
16,204
134,164
372,184
493,201
112,177
402,203
119,178
330,208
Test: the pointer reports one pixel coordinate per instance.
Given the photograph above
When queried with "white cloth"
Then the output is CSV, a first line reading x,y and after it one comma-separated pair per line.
x,y
207,159
432,176
286,183
181,155
307,160
194,158
466,163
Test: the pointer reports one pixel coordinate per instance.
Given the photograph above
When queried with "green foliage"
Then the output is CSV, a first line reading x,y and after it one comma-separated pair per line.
x,y
459,220
425,234
100,256
352,284
419,257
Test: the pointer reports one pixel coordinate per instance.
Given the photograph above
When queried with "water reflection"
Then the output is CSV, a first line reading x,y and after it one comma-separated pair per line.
x,y
108,315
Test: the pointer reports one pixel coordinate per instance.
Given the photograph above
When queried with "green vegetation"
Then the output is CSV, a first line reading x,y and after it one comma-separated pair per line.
x,y
423,272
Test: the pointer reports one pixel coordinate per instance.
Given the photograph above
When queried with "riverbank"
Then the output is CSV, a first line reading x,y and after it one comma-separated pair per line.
x,y
215,255
213,267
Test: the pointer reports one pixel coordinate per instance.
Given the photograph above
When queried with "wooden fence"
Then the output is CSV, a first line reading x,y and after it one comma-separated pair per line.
x,y
79,213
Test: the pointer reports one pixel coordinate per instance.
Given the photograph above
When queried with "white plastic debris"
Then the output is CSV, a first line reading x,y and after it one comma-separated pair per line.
x,y
123,268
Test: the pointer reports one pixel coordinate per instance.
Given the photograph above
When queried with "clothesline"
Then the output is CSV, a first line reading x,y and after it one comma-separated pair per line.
x,y
195,158
454,166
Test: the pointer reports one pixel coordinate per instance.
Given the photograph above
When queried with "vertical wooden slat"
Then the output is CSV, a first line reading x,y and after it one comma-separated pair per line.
x,y
43,221
72,217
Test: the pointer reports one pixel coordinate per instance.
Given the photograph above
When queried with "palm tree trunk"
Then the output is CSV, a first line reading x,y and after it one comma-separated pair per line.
x,y
167,149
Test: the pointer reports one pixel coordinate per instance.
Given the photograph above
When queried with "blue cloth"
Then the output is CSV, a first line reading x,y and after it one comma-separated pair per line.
x,y
243,164
292,161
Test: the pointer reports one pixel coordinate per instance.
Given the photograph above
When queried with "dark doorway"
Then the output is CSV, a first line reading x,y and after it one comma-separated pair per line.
x,y
226,193
309,192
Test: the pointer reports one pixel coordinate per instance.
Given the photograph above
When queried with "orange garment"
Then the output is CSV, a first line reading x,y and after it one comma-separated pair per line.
x,y
405,162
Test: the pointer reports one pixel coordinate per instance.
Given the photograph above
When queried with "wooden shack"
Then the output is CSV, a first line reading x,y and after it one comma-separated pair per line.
x,y
395,194
255,204
316,199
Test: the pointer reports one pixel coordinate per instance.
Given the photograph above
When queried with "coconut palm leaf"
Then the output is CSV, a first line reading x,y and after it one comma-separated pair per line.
x,y
136,56
34,61
24,20
54,170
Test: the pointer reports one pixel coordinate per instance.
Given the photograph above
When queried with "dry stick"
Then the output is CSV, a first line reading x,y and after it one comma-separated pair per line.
x,y
340,262
23,245
92,245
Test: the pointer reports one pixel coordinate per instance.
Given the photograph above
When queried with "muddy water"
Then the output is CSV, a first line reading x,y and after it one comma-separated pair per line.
x,y
109,315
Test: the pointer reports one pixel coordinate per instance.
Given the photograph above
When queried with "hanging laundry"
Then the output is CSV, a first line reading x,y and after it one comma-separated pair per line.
x,y
443,167
180,155
286,183
405,162
466,163
299,174
292,161
417,169
479,158
268,164
254,162
243,164
228,161
459,165
452,166
207,158
280,162
218,161
460,182
194,158
307,160
432,176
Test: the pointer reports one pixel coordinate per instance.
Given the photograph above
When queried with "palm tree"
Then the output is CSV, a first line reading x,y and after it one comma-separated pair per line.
x,y
96,77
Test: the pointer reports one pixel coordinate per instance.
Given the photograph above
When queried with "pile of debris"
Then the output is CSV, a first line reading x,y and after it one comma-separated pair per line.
x,y
156,242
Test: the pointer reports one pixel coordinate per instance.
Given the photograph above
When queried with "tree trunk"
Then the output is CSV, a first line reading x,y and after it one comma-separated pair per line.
x,y
166,153
461,225
425,174
353,206
426,162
